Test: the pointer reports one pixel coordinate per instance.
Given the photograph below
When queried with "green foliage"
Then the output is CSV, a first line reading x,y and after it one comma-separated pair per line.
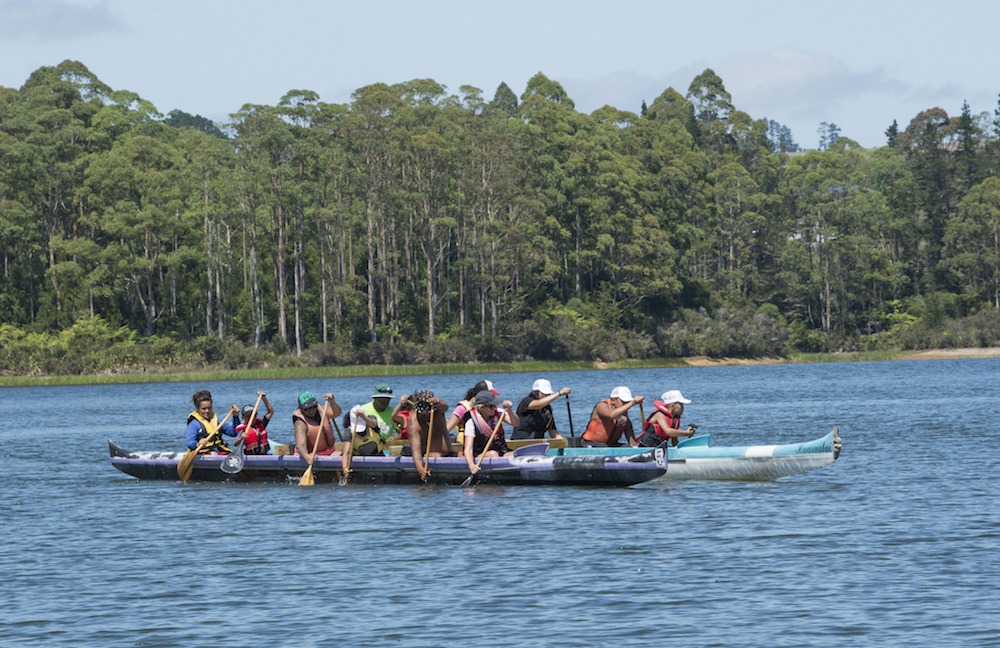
x,y
416,226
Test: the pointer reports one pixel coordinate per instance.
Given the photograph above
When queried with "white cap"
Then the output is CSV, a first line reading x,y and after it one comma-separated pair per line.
x,y
357,423
544,386
673,396
624,393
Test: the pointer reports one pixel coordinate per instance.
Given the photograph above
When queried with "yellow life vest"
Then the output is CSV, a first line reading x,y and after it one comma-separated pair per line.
x,y
216,444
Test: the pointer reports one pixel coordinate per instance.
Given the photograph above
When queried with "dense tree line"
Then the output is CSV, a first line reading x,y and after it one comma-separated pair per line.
x,y
515,226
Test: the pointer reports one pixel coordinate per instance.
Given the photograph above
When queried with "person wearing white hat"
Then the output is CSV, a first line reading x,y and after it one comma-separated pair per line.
x,y
609,420
664,424
535,412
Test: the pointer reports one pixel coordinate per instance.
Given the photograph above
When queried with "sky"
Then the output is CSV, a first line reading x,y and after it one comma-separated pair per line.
x,y
857,64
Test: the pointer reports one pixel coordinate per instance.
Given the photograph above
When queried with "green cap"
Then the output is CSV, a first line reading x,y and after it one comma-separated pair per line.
x,y
307,400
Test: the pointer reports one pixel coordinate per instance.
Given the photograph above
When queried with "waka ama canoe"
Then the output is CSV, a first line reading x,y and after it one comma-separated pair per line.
x,y
529,466
694,459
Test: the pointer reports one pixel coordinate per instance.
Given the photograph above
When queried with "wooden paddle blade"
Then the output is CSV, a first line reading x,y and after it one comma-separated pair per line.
x,y
186,465
307,478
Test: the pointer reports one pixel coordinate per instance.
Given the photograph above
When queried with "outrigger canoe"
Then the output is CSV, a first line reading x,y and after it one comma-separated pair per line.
x,y
694,459
528,466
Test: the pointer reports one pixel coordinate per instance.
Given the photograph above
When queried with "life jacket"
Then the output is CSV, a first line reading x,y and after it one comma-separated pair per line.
x,y
368,443
600,429
460,428
649,427
387,425
326,443
216,444
255,442
483,432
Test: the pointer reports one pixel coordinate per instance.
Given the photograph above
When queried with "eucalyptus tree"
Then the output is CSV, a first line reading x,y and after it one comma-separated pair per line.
x,y
262,142
369,128
135,194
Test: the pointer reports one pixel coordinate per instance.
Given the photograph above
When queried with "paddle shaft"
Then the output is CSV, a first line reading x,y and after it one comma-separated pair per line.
x,y
642,413
253,418
489,441
430,438
569,414
343,448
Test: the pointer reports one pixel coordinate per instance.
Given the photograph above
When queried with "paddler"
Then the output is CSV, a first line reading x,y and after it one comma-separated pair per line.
x,y
535,412
482,420
424,402
202,421
609,420
390,421
664,424
254,433
309,422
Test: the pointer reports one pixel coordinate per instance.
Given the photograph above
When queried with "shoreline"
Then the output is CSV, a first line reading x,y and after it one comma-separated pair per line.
x,y
360,371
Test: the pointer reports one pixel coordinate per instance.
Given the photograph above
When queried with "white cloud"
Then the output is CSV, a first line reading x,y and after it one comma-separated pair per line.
x,y
54,20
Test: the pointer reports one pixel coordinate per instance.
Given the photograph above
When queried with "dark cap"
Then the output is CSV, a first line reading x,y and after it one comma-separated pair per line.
x,y
488,398
307,400
247,411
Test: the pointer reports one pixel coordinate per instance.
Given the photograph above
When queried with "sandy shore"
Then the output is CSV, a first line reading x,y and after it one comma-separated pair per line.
x,y
931,354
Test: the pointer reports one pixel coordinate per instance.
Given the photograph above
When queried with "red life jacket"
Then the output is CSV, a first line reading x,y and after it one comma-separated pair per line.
x,y
256,439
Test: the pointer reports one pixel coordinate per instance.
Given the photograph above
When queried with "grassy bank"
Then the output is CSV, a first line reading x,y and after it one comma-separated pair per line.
x,y
210,374
273,373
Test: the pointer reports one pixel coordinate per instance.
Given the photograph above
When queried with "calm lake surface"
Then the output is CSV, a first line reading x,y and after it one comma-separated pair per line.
x,y
898,542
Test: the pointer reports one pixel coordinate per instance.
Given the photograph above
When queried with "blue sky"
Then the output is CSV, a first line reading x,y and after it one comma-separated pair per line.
x,y
857,64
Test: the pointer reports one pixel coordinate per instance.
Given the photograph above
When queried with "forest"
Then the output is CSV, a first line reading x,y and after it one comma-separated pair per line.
x,y
414,225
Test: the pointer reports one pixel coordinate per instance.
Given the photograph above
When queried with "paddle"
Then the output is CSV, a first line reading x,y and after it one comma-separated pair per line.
x,y
642,413
186,464
343,450
474,477
307,476
569,414
234,462
430,438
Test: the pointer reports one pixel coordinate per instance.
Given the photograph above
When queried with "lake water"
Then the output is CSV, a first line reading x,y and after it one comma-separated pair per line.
x,y
898,542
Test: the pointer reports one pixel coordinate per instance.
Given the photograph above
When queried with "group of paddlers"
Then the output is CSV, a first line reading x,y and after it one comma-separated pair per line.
x,y
420,422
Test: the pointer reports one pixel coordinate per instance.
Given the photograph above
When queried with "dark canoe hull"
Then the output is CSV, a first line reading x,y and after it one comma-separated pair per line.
x,y
529,466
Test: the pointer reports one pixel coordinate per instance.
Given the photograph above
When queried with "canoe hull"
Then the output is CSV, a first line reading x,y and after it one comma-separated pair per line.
x,y
529,466
746,463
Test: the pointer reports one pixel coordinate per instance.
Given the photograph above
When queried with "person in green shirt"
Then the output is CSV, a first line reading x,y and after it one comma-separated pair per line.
x,y
389,420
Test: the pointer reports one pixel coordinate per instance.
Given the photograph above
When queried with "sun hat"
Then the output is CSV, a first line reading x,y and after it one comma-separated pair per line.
x,y
382,390
673,396
543,386
307,400
422,401
488,398
624,393
485,385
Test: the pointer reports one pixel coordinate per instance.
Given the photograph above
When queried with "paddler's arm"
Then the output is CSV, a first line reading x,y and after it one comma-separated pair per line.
x,y
302,441
470,436
509,415
347,449
415,445
396,417
193,429
229,426
267,404
331,402
615,413
539,403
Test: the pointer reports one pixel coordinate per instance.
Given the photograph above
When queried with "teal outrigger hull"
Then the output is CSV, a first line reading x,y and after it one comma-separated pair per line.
x,y
695,459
